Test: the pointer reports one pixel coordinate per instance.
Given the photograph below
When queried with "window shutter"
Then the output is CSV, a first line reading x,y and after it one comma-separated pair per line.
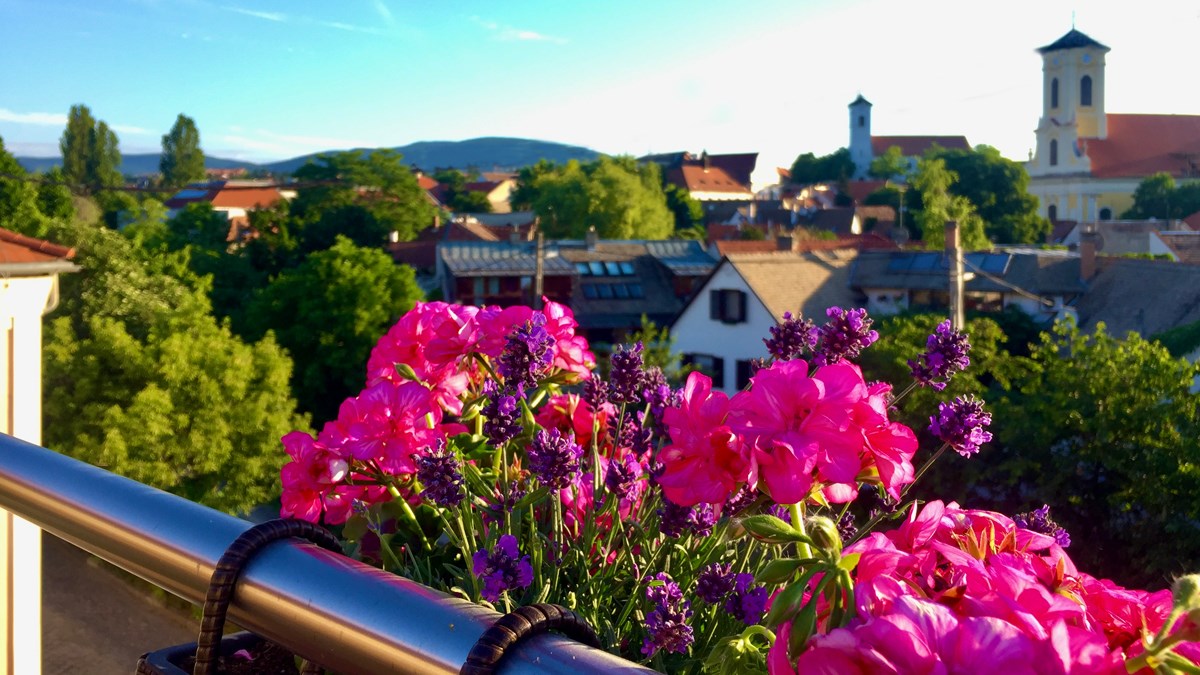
x,y
715,305
718,376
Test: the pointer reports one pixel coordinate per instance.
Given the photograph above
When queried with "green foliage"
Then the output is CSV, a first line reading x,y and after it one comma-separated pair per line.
x,y
1181,340
76,145
940,205
834,167
457,197
182,160
54,199
19,199
141,380
998,189
891,164
1106,431
658,343
328,313
687,211
621,199
1159,197
364,198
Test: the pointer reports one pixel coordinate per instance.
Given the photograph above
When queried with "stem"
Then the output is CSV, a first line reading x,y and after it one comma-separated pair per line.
x,y
927,464
408,513
802,549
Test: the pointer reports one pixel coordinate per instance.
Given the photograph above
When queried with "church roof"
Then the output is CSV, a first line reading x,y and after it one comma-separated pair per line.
x,y
858,100
915,146
1072,40
1139,145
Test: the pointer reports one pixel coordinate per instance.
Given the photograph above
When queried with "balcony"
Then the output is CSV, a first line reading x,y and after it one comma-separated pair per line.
x,y
348,616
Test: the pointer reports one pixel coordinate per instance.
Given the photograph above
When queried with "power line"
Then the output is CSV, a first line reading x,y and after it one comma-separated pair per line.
x,y
997,280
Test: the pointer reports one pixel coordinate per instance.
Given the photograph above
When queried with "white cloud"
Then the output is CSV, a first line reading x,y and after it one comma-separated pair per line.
x,y
508,33
384,13
38,118
269,16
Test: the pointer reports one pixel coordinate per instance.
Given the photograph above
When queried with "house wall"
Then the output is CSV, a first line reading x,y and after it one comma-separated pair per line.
x,y
695,332
886,301
1081,197
23,301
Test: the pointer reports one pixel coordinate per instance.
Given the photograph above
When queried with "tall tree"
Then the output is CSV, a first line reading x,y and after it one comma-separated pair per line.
x,y
687,210
76,145
998,189
621,199
348,297
940,205
361,197
458,198
1159,197
891,164
104,164
831,168
19,208
182,159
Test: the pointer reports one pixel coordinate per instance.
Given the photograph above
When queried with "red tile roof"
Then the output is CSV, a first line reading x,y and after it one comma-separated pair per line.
x,y
226,194
1139,145
915,146
1186,245
1193,221
739,167
699,179
426,182
17,248
859,190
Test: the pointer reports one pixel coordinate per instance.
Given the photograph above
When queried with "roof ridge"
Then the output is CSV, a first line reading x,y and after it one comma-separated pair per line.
x,y
39,245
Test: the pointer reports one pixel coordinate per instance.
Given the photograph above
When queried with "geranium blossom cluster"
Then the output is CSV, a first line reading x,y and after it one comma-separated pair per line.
x,y
961,590
485,456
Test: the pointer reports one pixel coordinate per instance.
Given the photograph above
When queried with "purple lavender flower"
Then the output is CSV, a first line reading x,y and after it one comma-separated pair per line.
x,y
554,458
633,433
666,624
714,583
659,395
846,527
792,338
622,476
626,377
502,413
780,511
741,500
676,520
945,354
503,569
439,475
502,504
595,392
527,354
747,603
962,424
844,336
1039,521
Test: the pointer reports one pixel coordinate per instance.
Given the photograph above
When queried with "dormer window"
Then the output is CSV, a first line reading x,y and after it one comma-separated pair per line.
x,y
1085,90
1054,93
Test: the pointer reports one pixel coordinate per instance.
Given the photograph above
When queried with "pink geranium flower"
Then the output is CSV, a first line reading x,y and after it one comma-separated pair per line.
x,y
387,424
433,340
572,353
570,412
706,461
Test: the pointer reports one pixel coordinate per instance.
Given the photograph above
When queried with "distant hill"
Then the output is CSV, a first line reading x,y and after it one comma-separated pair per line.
x,y
484,154
134,165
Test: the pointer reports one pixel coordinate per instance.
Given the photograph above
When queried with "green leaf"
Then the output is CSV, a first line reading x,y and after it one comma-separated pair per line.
x,y
778,571
772,530
356,526
849,562
785,605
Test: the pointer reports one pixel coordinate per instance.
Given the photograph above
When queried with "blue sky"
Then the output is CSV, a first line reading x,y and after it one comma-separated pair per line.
x,y
269,79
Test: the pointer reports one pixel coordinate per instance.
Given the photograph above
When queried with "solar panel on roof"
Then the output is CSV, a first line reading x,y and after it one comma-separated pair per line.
x,y
635,291
597,268
583,269
589,291
626,268
613,269
605,291
898,263
621,291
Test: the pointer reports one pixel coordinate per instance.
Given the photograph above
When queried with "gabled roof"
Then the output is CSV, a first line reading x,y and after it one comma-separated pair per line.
x,y
698,179
869,241
622,282
1144,296
1040,273
859,190
1186,245
230,194
498,259
1072,40
22,256
858,101
915,146
739,166
1139,145
805,283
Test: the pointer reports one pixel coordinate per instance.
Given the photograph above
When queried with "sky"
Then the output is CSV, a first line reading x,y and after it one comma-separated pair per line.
x,y
272,79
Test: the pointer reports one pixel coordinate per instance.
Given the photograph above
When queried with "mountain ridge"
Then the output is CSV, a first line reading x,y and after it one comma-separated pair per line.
x,y
485,153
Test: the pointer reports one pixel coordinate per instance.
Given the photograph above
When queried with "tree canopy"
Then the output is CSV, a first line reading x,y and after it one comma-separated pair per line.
x,y
831,168
940,205
182,160
617,196
457,197
1158,196
328,313
891,164
998,189
90,151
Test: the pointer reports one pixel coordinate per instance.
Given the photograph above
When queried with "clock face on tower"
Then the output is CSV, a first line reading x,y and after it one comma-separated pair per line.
x,y
1087,58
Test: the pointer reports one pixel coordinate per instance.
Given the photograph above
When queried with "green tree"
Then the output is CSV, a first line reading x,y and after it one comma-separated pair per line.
x,y
104,164
940,205
182,160
831,168
1152,198
328,313
891,164
141,380
621,199
54,199
76,145
19,199
458,197
361,197
522,196
998,189
687,210
1106,431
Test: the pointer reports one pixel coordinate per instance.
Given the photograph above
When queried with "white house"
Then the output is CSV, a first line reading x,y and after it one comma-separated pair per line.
x,y
29,270
722,328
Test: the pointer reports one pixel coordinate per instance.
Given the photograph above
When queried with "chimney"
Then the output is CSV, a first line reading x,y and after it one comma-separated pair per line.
x,y
707,162
785,242
592,238
1088,240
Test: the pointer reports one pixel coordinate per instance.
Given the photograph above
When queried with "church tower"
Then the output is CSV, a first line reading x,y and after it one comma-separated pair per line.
x,y
1072,103
860,136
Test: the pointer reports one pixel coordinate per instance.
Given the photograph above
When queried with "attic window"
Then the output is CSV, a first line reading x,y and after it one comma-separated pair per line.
x,y
727,305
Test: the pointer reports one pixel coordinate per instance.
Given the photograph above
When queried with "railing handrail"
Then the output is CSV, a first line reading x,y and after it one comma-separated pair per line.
x,y
350,617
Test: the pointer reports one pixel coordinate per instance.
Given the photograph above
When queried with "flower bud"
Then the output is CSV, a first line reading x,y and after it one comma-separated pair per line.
x,y
824,533
1186,592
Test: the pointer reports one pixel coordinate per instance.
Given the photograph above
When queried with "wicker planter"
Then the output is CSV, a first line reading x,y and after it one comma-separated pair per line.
x,y
267,658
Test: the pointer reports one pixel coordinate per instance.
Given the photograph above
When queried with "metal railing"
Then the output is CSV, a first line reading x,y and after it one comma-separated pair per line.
x,y
343,614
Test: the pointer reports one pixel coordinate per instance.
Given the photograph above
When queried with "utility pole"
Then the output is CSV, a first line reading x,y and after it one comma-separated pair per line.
x,y
539,273
954,252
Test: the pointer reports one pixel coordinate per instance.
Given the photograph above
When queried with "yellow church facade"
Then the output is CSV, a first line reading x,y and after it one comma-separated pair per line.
x,y
1088,162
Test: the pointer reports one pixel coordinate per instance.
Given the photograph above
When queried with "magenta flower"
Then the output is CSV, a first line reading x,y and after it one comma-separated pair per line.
x,y
387,424
432,340
572,353
705,461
